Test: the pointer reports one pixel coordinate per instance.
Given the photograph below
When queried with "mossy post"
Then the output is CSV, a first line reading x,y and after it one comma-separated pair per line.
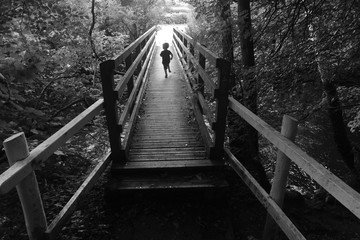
x,y
16,149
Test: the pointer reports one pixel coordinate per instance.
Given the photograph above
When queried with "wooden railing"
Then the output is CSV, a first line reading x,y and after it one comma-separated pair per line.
x,y
193,56
288,151
21,174
137,59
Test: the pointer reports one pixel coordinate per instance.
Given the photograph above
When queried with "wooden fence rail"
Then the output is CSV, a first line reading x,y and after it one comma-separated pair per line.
x,y
136,55
187,49
21,174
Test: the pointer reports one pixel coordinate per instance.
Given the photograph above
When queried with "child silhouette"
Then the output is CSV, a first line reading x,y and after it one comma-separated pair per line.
x,y
167,56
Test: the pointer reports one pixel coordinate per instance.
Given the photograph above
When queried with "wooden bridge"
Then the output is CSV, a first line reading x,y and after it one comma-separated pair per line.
x,y
159,137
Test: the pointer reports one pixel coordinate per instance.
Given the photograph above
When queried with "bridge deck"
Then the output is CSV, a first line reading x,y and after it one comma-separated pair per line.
x,y
166,134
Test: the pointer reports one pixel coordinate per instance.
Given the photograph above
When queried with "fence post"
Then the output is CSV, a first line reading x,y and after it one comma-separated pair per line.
x,y
277,192
16,149
110,98
222,102
202,62
128,63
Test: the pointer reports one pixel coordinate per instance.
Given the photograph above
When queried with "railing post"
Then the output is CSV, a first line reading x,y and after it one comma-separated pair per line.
x,y
185,44
111,112
16,149
130,84
200,82
277,193
222,102
137,52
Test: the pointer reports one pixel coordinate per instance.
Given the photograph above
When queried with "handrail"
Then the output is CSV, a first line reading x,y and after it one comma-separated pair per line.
x,y
142,49
137,55
214,141
20,170
184,46
13,175
335,186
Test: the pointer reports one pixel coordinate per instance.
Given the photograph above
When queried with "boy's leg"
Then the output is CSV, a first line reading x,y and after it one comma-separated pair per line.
x,y
165,67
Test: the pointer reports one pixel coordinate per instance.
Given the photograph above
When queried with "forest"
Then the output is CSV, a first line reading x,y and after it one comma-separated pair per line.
x,y
288,57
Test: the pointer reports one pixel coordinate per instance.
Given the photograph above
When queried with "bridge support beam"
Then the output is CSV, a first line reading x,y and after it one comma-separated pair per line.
x,y
110,101
222,102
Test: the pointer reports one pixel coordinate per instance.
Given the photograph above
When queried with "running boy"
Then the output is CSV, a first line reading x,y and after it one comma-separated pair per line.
x,y
167,56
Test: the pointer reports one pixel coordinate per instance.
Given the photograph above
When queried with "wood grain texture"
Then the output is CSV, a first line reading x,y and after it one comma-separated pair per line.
x,y
166,134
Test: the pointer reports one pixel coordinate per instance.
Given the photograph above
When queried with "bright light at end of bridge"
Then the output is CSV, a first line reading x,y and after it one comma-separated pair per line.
x,y
165,33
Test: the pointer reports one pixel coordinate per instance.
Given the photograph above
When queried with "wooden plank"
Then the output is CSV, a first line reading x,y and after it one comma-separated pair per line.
x,y
273,209
203,129
85,187
170,181
127,51
132,97
12,176
206,110
130,132
337,188
196,163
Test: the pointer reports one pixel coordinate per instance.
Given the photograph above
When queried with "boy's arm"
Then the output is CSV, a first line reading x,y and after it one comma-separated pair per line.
x,y
171,56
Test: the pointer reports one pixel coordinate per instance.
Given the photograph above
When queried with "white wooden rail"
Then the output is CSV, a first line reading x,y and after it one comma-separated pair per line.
x,y
331,183
21,174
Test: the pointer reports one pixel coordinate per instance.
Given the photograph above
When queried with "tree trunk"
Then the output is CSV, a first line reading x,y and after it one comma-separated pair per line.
x,y
246,139
227,38
335,112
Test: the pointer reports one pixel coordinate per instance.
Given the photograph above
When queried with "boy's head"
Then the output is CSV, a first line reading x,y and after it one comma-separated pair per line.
x,y
165,46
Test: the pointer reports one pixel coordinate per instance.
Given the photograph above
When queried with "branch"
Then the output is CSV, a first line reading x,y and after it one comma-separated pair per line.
x,y
53,80
66,107
91,30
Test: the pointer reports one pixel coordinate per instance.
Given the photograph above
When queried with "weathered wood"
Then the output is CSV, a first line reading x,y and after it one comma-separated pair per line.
x,y
130,78
70,207
16,149
127,51
168,181
221,109
16,173
132,98
210,56
130,131
164,164
337,188
200,80
110,106
273,209
203,128
201,71
278,187
120,88
205,108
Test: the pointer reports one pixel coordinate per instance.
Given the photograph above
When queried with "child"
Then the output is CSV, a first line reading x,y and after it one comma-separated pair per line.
x,y
166,57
